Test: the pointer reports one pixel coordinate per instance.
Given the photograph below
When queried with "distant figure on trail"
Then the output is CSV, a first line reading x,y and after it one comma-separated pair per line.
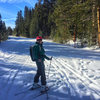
x,y
38,55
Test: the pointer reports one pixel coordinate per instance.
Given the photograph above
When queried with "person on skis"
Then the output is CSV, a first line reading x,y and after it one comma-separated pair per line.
x,y
39,57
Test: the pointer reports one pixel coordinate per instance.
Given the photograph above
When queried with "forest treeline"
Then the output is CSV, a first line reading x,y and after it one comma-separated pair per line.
x,y
4,31
60,20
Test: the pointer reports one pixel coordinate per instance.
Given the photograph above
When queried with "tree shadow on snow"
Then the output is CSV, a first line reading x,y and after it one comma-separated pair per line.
x,y
60,50
21,46
15,78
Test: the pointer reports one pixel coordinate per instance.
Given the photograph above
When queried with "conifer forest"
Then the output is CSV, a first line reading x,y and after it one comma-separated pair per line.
x,y
59,20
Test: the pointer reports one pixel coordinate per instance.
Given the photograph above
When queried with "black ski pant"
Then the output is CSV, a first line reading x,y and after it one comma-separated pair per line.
x,y
40,73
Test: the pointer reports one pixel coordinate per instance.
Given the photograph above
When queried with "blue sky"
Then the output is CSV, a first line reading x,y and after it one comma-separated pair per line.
x,y
9,9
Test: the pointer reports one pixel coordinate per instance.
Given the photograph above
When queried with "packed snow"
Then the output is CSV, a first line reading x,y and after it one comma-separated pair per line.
x,y
73,73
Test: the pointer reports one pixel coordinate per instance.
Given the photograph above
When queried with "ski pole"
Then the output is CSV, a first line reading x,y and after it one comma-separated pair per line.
x,y
49,68
48,75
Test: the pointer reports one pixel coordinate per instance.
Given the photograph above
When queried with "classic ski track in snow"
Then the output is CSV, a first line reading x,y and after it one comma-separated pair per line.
x,y
11,79
82,78
12,74
64,66
63,80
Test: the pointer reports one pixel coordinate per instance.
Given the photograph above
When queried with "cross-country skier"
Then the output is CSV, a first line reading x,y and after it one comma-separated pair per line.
x,y
39,57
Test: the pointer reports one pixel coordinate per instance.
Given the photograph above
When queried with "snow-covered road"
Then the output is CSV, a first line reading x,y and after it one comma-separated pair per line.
x,y
74,73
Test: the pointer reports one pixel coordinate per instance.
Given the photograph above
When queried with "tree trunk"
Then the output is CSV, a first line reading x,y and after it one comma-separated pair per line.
x,y
94,35
98,20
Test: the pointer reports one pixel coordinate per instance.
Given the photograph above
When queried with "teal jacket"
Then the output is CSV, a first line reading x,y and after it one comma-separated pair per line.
x,y
39,52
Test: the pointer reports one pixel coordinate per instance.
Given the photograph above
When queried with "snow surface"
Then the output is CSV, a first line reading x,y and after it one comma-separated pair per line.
x,y
74,73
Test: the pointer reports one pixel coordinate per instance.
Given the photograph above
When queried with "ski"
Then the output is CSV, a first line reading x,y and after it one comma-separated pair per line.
x,y
41,93
30,89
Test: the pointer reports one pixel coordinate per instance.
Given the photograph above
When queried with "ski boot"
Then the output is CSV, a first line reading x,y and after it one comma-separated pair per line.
x,y
44,88
35,86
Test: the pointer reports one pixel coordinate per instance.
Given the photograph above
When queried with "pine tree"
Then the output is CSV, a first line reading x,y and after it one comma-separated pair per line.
x,y
43,24
3,34
60,19
4,31
9,31
34,25
39,2
19,24
0,28
27,21
34,28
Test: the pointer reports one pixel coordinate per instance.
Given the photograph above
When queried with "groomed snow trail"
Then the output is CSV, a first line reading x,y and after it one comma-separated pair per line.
x,y
74,74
